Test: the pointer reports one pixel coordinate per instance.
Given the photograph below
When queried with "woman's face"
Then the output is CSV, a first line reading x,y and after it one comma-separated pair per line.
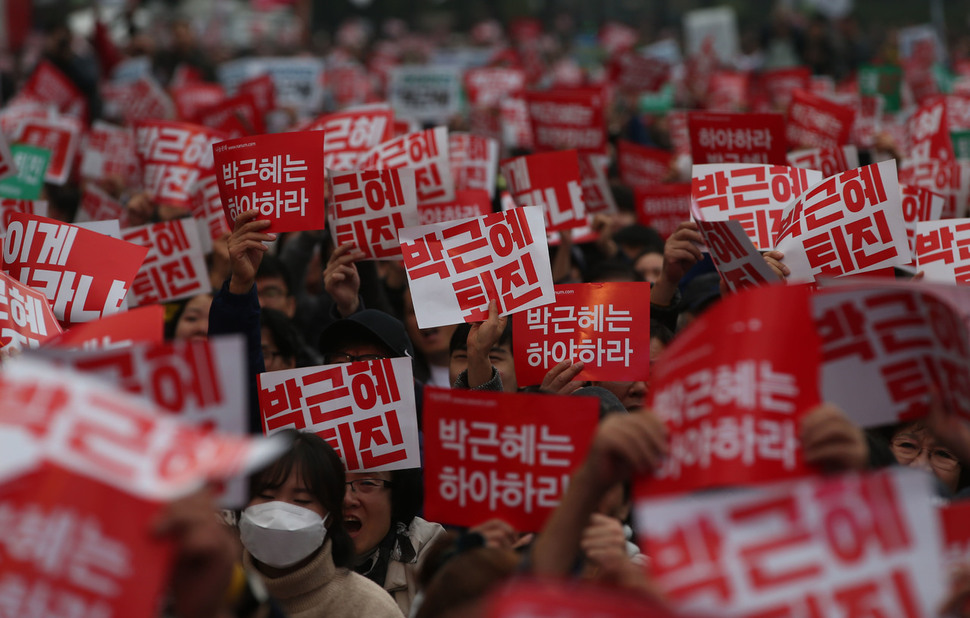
x,y
916,447
194,321
293,491
367,511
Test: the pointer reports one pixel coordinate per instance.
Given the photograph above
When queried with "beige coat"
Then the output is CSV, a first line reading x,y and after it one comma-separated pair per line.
x,y
402,578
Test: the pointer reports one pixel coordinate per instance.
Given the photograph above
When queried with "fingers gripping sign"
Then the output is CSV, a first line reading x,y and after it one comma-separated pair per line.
x,y
246,244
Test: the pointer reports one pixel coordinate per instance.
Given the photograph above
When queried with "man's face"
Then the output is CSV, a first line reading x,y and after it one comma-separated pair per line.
x,y
273,294
500,357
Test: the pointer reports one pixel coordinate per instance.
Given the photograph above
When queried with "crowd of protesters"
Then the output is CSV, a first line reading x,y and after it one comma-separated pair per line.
x,y
315,540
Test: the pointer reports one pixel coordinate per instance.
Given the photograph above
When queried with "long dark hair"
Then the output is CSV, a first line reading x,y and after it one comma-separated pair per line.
x,y
323,473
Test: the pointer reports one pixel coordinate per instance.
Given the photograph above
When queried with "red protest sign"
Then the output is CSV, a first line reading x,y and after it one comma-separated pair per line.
x,y
263,90
737,260
425,151
48,85
636,73
829,161
950,179
456,268
663,207
192,98
567,119
467,204
919,204
600,324
369,208
142,99
85,275
679,133
955,524
174,267
846,224
474,160
236,116
488,86
729,91
173,156
96,205
782,84
514,122
26,318
550,180
507,455
754,195
816,122
9,206
571,598
784,550
351,133
281,174
207,207
61,135
733,412
120,330
365,410
642,166
942,250
737,138
597,194
929,135
108,153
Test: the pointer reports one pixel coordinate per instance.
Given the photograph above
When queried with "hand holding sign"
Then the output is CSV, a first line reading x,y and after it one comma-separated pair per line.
x,y
246,248
830,440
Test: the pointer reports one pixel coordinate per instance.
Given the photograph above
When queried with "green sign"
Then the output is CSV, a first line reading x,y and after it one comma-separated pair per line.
x,y
961,143
885,81
659,102
31,166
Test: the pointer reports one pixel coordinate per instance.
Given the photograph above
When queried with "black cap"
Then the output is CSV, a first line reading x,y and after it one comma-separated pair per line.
x,y
369,325
701,291
609,403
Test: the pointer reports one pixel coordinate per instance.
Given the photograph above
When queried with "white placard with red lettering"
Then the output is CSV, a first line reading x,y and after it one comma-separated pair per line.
x,y
7,165
369,208
850,223
732,394
26,318
467,204
737,260
208,211
600,324
597,195
834,546
754,195
919,205
61,135
488,86
642,166
173,156
568,119
943,250
365,410
951,179
425,151
929,134
885,348
108,153
551,180
456,268
829,161
121,330
350,133
174,267
84,274
280,174
474,161
96,205
508,455
9,206
663,207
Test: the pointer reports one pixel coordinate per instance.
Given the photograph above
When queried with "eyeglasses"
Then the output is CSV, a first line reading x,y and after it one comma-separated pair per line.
x,y
368,486
270,292
906,450
340,358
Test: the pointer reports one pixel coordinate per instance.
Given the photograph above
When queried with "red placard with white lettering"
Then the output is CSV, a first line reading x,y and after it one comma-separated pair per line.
x,y
782,85
263,90
474,160
568,119
951,179
663,207
604,325
928,133
849,223
488,86
737,138
143,99
467,204
85,275
456,268
174,267
49,86
597,195
550,180
571,598
642,166
281,174
108,153
942,250
728,91
365,410
885,348
192,98
636,73
9,206
845,545
737,260
503,455
734,395
61,135
207,207
754,195
955,522
121,330
829,161
173,156
236,116
96,205
26,318
369,208
425,151
816,122
351,133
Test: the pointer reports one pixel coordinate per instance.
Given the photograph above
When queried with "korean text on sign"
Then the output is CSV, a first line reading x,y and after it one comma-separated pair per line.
x,y
600,324
425,151
174,267
737,138
173,157
474,161
829,161
369,208
26,319
736,259
919,205
280,174
140,325
837,546
456,268
365,410
551,180
511,454
663,207
568,119
351,133
942,250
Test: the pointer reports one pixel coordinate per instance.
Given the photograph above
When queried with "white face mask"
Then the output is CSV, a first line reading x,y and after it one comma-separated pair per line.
x,y
280,534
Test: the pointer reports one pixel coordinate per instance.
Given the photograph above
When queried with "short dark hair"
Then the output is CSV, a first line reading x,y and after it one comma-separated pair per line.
x,y
407,495
323,472
459,338
272,266
282,330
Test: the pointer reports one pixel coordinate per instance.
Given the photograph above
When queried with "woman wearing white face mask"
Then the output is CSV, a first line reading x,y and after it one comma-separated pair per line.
x,y
293,532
